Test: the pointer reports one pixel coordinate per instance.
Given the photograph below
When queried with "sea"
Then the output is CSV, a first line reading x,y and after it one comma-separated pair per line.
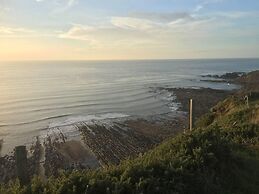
x,y
37,96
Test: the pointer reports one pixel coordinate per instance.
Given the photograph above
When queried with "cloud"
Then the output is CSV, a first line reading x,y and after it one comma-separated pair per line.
x,y
3,9
67,2
71,2
110,36
5,30
60,5
198,8
204,3
79,32
152,21
153,29
133,23
22,32
142,29
236,14
162,17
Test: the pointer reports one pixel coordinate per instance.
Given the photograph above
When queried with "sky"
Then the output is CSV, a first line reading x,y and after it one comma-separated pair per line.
x,y
128,29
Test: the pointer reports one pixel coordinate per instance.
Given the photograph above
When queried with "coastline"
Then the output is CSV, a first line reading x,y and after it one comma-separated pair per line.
x,y
108,142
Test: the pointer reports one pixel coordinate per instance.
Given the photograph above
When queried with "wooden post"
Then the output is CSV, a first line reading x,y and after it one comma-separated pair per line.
x,y
190,115
247,101
21,165
1,145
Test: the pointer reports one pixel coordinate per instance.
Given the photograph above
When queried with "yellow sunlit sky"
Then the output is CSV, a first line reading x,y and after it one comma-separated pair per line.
x,y
128,29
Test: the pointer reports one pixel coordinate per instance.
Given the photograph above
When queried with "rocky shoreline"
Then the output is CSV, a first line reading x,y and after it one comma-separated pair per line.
x,y
203,98
102,144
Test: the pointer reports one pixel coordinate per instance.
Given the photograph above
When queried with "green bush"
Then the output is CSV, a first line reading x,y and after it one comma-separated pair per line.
x,y
205,120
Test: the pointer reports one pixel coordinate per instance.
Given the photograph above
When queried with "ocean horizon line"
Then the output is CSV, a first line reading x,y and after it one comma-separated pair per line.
x,y
152,59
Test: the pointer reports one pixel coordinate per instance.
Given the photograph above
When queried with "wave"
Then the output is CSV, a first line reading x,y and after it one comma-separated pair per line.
x,y
81,93
83,103
69,126
37,120
87,118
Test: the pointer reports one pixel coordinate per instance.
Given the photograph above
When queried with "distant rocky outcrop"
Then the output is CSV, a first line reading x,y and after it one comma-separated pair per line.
x,y
226,76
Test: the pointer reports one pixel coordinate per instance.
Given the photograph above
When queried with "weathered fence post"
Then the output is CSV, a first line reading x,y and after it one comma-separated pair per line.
x,y
190,115
21,165
247,101
1,145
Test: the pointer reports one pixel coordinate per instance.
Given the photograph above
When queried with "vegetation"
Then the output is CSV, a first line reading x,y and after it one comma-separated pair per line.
x,y
220,156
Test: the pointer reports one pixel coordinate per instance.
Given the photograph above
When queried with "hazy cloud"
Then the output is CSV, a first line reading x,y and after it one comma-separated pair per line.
x,y
148,28
3,9
133,23
21,32
79,32
108,36
204,3
162,17
150,22
60,5
67,2
236,14
12,30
